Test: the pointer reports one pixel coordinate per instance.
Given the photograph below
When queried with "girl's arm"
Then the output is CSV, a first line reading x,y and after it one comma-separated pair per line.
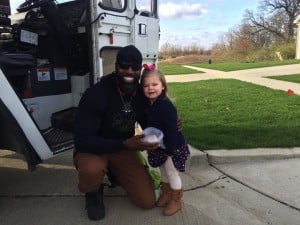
x,y
170,127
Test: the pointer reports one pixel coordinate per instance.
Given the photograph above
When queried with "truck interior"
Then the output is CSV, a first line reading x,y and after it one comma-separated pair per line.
x,y
40,50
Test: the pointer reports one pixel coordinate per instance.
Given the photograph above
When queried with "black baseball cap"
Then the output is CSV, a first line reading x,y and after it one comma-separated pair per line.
x,y
130,55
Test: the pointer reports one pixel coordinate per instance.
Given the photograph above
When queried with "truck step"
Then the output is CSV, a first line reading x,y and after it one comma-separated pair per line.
x,y
58,140
64,119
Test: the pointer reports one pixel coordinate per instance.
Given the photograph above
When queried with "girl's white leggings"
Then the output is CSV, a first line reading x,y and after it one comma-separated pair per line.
x,y
169,174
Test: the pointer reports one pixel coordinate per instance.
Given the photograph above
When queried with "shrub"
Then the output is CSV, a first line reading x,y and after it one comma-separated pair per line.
x,y
287,50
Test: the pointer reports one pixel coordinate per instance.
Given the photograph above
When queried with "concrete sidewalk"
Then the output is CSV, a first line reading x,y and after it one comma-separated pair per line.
x,y
249,191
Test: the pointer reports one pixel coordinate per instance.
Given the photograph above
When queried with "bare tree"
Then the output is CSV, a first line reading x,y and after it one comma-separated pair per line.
x,y
276,17
173,50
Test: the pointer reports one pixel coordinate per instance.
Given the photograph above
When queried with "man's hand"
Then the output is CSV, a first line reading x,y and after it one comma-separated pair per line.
x,y
179,124
136,143
179,121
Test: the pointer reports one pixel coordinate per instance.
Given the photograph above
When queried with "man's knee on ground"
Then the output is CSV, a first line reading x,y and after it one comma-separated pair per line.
x,y
92,171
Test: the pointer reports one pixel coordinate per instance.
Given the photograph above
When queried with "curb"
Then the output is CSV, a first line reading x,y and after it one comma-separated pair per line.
x,y
197,158
257,154
200,158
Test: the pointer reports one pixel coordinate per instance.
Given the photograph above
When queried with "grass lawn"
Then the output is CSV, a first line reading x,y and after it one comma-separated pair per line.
x,y
292,78
170,69
231,114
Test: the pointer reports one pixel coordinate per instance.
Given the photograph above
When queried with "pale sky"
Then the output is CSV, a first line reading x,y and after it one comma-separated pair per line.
x,y
195,21
200,22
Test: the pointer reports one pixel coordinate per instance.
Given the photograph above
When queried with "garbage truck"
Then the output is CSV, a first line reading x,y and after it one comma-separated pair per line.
x,y
50,53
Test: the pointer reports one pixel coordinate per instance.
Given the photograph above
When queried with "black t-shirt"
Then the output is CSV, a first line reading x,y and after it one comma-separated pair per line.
x,y
105,118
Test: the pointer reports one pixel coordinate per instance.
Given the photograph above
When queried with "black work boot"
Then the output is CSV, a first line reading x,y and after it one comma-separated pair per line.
x,y
94,204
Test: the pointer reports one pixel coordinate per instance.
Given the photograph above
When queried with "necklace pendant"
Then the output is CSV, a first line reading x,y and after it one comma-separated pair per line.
x,y
127,108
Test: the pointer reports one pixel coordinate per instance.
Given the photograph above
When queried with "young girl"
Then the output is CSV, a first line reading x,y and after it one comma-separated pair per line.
x,y
171,156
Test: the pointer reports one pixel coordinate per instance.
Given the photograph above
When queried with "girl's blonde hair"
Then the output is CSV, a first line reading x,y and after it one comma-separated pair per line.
x,y
160,75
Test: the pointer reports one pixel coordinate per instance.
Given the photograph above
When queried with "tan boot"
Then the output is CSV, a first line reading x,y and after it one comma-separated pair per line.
x,y
165,194
174,204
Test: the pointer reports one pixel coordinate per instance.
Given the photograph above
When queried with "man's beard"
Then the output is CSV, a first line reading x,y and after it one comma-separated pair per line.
x,y
127,88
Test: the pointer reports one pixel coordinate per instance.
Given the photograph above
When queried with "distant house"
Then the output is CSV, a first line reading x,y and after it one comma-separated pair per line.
x,y
297,22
